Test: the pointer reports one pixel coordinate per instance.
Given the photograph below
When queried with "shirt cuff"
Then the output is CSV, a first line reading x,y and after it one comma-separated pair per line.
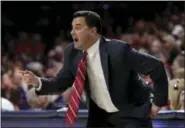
x,y
39,86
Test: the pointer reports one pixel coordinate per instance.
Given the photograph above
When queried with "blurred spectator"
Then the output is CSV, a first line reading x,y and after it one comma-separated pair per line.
x,y
6,85
17,92
176,91
39,102
178,63
6,105
181,100
179,73
156,49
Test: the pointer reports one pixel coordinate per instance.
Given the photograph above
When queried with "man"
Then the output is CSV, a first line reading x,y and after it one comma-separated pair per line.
x,y
117,97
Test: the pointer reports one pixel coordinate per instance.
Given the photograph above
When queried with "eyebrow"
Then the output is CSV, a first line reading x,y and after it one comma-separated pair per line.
x,y
77,25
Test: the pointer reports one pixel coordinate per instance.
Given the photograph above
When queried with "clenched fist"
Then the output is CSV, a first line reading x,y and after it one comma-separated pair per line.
x,y
30,78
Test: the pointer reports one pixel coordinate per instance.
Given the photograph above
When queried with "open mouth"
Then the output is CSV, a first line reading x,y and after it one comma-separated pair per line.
x,y
75,39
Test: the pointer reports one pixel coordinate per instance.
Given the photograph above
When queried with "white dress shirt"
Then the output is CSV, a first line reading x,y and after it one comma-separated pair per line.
x,y
99,91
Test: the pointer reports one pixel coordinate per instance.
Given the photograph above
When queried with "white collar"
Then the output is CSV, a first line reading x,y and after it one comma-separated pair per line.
x,y
93,48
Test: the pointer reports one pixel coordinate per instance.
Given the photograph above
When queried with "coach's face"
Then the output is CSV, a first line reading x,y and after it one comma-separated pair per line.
x,y
81,33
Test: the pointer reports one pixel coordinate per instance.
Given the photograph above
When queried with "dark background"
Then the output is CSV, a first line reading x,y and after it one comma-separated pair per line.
x,y
25,15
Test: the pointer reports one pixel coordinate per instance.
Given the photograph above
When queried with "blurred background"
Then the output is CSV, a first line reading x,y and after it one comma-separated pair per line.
x,y
34,35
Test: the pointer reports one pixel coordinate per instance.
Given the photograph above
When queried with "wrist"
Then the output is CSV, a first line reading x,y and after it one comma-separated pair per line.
x,y
37,82
38,86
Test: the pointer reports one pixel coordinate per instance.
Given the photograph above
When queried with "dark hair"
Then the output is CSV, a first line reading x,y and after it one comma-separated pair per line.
x,y
92,19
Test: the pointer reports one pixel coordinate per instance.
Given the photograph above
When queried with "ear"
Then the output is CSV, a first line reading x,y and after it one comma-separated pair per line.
x,y
94,30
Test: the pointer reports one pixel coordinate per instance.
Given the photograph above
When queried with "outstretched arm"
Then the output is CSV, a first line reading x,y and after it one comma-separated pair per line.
x,y
63,79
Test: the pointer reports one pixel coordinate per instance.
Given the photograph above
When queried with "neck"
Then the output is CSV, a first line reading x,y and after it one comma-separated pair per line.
x,y
93,41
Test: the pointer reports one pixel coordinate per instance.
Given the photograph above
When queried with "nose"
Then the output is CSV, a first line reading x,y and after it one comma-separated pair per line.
x,y
72,32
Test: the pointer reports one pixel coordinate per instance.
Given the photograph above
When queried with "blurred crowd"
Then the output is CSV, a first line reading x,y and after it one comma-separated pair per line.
x,y
162,37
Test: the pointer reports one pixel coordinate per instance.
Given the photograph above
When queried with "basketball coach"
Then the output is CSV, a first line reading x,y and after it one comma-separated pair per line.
x,y
107,70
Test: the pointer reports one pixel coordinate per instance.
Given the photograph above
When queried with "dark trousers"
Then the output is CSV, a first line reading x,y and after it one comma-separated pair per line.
x,y
98,118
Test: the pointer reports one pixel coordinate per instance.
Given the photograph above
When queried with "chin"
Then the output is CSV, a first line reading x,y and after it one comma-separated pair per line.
x,y
76,46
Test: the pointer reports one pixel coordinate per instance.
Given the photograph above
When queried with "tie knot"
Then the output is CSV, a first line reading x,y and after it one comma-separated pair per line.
x,y
84,58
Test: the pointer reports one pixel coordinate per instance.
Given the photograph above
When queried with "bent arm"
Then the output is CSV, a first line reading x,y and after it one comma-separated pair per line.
x,y
149,65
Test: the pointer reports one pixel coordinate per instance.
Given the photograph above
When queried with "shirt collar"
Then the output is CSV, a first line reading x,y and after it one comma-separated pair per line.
x,y
93,48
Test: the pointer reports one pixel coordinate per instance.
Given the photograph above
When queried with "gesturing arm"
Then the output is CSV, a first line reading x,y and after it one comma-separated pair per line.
x,y
63,79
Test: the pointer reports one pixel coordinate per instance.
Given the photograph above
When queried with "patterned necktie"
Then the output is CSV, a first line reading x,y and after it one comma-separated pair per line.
x,y
76,94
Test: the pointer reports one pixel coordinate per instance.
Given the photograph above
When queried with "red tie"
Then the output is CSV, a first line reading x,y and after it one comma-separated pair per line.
x,y
76,94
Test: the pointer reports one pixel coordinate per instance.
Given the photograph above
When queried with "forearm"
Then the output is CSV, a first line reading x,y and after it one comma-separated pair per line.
x,y
160,86
51,86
